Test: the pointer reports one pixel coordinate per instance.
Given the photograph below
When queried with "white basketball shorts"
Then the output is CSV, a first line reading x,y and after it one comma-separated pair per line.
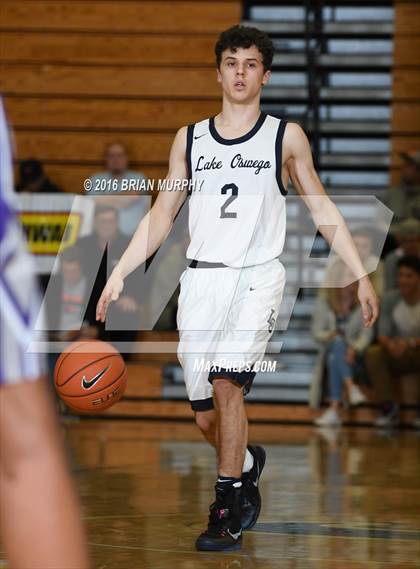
x,y
225,319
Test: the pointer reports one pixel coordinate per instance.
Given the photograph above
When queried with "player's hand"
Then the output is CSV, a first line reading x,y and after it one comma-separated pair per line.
x,y
369,302
110,293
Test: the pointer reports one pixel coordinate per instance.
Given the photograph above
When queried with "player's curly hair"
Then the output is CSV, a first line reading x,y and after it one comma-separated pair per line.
x,y
245,36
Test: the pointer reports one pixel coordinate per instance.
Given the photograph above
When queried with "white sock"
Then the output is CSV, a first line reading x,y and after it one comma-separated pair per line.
x,y
248,462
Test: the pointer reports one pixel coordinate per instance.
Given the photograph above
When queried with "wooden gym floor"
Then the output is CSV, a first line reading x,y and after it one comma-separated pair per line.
x,y
346,500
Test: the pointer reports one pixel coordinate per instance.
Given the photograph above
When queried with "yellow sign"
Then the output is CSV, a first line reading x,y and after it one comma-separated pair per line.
x,y
47,233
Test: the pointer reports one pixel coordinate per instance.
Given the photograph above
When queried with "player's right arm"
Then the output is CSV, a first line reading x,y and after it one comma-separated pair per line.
x,y
152,229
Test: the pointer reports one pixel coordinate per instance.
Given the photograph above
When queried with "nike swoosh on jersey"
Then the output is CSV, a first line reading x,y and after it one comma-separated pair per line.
x,y
201,135
95,379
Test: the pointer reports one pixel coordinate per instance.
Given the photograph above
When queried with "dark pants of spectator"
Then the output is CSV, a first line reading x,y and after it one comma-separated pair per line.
x,y
338,368
385,370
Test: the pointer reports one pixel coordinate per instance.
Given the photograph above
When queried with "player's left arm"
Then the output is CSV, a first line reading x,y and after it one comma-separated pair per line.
x,y
326,215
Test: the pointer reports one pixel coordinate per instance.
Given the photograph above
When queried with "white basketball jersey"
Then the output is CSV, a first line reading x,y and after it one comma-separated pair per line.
x,y
239,216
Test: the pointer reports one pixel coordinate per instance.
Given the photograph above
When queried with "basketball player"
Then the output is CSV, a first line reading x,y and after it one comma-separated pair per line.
x,y
232,288
39,513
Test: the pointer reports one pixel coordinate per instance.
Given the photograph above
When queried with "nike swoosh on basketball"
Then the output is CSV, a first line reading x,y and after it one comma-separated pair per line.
x,y
201,135
95,379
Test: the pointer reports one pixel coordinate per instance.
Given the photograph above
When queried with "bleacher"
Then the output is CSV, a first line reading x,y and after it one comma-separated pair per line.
x,y
77,77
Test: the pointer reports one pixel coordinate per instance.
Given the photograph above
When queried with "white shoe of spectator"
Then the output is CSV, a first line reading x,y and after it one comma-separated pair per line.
x,y
330,418
356,397
389,419
416,423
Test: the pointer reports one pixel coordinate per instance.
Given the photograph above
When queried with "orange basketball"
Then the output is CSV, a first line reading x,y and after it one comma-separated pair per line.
x,y
90,376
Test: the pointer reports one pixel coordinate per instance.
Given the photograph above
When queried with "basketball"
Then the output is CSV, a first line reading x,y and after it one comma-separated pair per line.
x,y
90,376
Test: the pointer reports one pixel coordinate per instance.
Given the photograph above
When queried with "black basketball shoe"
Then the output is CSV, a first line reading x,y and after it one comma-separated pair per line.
x,y
251,498
224,531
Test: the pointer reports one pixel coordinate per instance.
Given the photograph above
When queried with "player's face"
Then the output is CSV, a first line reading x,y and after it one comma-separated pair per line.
x,y
408,280
241,74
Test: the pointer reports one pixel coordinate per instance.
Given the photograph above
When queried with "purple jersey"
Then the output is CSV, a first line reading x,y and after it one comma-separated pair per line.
x,y
19,297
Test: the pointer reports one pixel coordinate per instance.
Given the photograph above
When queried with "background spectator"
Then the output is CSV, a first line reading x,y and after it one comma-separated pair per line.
x,y
132,206
404,199
338,325
408,237
103,249
162,286
373,265
398,349
65,303
66,299
32,178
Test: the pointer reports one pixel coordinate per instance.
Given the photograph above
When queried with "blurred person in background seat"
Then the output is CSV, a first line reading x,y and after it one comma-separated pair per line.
x,y
408,237
374,266
32,179
100,252
398,349
66,298
404,199
132,205
338,325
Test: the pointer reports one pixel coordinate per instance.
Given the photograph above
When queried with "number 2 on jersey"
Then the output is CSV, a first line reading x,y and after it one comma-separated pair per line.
x,y
224,190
